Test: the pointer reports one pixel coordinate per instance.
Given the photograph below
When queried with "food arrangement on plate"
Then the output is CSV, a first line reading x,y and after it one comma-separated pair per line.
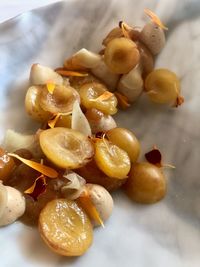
x,y
61,177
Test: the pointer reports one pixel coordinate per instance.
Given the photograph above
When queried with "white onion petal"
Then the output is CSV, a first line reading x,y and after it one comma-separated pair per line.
x,y
79,121
14,141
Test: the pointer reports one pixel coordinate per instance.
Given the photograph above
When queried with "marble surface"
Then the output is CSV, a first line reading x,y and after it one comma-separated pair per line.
x,y
12,8
166,234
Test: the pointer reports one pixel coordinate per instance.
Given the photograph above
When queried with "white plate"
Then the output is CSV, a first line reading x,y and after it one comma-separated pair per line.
x,y
165,234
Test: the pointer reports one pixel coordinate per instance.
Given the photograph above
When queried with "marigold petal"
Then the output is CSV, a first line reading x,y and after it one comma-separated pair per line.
x,y
105,96
52,122
155,18
122,100
89,207
45,170
64,72
50,86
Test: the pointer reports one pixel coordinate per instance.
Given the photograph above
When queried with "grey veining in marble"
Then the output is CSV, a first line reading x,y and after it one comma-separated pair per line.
x,y
166,234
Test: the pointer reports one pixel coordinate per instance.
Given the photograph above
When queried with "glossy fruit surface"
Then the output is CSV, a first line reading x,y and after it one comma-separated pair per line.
x,y
66,148
111,159
90,93
32,104
163,86
126,140
92,174
60,101
121,55
7,165
65,228
146,183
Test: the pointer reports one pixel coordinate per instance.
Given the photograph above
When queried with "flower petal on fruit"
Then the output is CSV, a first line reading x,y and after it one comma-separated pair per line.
x,y
122,100
105,96
87,204
50,86
45,170
64,72
155,18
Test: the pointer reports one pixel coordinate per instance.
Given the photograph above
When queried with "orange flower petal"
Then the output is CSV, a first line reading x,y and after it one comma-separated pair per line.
x,y
155,19
86,203
64,72
49,172
52,122
105,96
122,101
38,187
50,86
179,101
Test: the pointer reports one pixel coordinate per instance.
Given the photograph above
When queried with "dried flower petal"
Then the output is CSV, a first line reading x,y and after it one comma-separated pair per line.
x,y
74,187
179,101
99,135
52,122
122,100
87,204
101,52
45,170
105,96
155,19
64,72
50,86
38,187
154,157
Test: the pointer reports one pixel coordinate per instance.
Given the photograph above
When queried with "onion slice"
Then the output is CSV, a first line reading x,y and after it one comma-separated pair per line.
x,y
79,120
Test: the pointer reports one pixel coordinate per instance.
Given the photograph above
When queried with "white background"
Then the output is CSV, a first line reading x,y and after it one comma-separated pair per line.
x,y
11,8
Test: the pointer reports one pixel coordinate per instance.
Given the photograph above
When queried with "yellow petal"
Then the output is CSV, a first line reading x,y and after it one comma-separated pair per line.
x,y
122,101
86,203
155,19
50,86
105,96
47,171
52,122
65,72
30,190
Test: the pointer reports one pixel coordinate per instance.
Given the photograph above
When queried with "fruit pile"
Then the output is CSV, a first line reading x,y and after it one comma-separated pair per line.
x,y
62,176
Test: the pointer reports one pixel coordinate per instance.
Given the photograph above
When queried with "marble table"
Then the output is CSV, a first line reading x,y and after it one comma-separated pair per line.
x,y
166,234
9,9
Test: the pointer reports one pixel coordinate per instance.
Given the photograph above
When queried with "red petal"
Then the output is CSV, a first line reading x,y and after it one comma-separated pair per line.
x,y
38,188
154,157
